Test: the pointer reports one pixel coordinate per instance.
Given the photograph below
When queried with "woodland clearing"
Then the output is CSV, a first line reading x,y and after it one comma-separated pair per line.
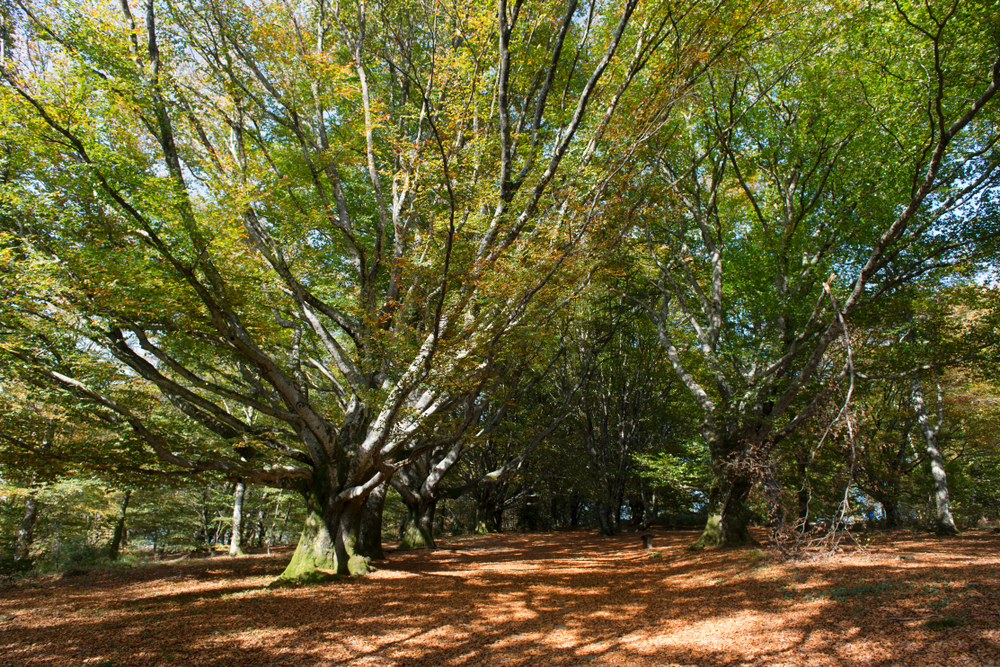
x,y
562,598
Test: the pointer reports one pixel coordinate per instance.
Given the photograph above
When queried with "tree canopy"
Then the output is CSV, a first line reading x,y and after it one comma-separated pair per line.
x,y
334,248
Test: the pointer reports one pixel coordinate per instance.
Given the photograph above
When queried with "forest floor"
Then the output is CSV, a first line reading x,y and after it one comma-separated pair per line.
x,y
564,598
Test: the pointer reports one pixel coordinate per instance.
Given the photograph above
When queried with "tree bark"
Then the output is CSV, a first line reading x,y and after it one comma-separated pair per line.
x,y
26,531
370,538
235,543
728,511
314,558
329,544
890,507
489,510
728,514
418,528
116,540
605,518
944,523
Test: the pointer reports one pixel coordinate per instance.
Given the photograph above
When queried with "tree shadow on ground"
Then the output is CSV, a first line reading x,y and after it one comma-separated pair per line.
x,y
550,598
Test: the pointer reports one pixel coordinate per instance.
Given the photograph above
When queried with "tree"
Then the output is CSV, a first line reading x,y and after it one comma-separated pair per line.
x,y
236,541
821,174
281,243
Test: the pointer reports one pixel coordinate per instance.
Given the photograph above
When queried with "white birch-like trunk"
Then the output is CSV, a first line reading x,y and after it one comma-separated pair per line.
x,y
944,523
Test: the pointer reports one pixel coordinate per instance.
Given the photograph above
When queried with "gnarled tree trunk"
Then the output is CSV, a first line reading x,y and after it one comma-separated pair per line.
x,y
729,497
418,527
329,544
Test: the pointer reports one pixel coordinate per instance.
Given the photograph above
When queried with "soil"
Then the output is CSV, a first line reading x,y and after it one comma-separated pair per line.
x,y
564,598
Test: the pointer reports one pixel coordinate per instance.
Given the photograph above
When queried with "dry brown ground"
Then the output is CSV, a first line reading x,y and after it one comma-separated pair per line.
x,y
535,599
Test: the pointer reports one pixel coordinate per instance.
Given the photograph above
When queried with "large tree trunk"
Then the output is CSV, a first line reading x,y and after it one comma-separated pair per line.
x,y
370,538
728,514
418,527
944,523
235,543
26,531
728,511
116,540
329,544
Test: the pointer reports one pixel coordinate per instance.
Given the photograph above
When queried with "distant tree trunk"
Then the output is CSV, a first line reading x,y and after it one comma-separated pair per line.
x,y
219,530
890,507
944,523
235,542
206,527
574,510
489,509
284,522
418,529
370,535
804,495
605,518
116,541
26,531
650,507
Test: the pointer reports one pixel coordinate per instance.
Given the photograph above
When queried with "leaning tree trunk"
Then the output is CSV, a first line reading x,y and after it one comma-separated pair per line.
x,y
235,543
944,523
26,531
116,540
370,536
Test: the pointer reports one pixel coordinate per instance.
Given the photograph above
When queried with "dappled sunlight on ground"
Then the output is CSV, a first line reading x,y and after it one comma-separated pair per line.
x,y
531,599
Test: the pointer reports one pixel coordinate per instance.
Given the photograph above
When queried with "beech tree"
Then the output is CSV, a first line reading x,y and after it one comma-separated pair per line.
x,y
310,230
844,156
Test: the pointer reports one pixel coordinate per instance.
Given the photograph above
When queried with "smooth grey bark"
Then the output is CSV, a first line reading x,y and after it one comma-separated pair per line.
x,y
944,523
116,540
235,543
26,531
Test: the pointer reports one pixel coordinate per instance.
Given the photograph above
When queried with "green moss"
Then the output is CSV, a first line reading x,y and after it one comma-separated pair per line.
x,y
414,538
314,559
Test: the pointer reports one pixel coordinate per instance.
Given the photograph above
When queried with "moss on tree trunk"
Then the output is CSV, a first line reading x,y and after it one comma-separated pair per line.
x,y
728,515
418,530
328,545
